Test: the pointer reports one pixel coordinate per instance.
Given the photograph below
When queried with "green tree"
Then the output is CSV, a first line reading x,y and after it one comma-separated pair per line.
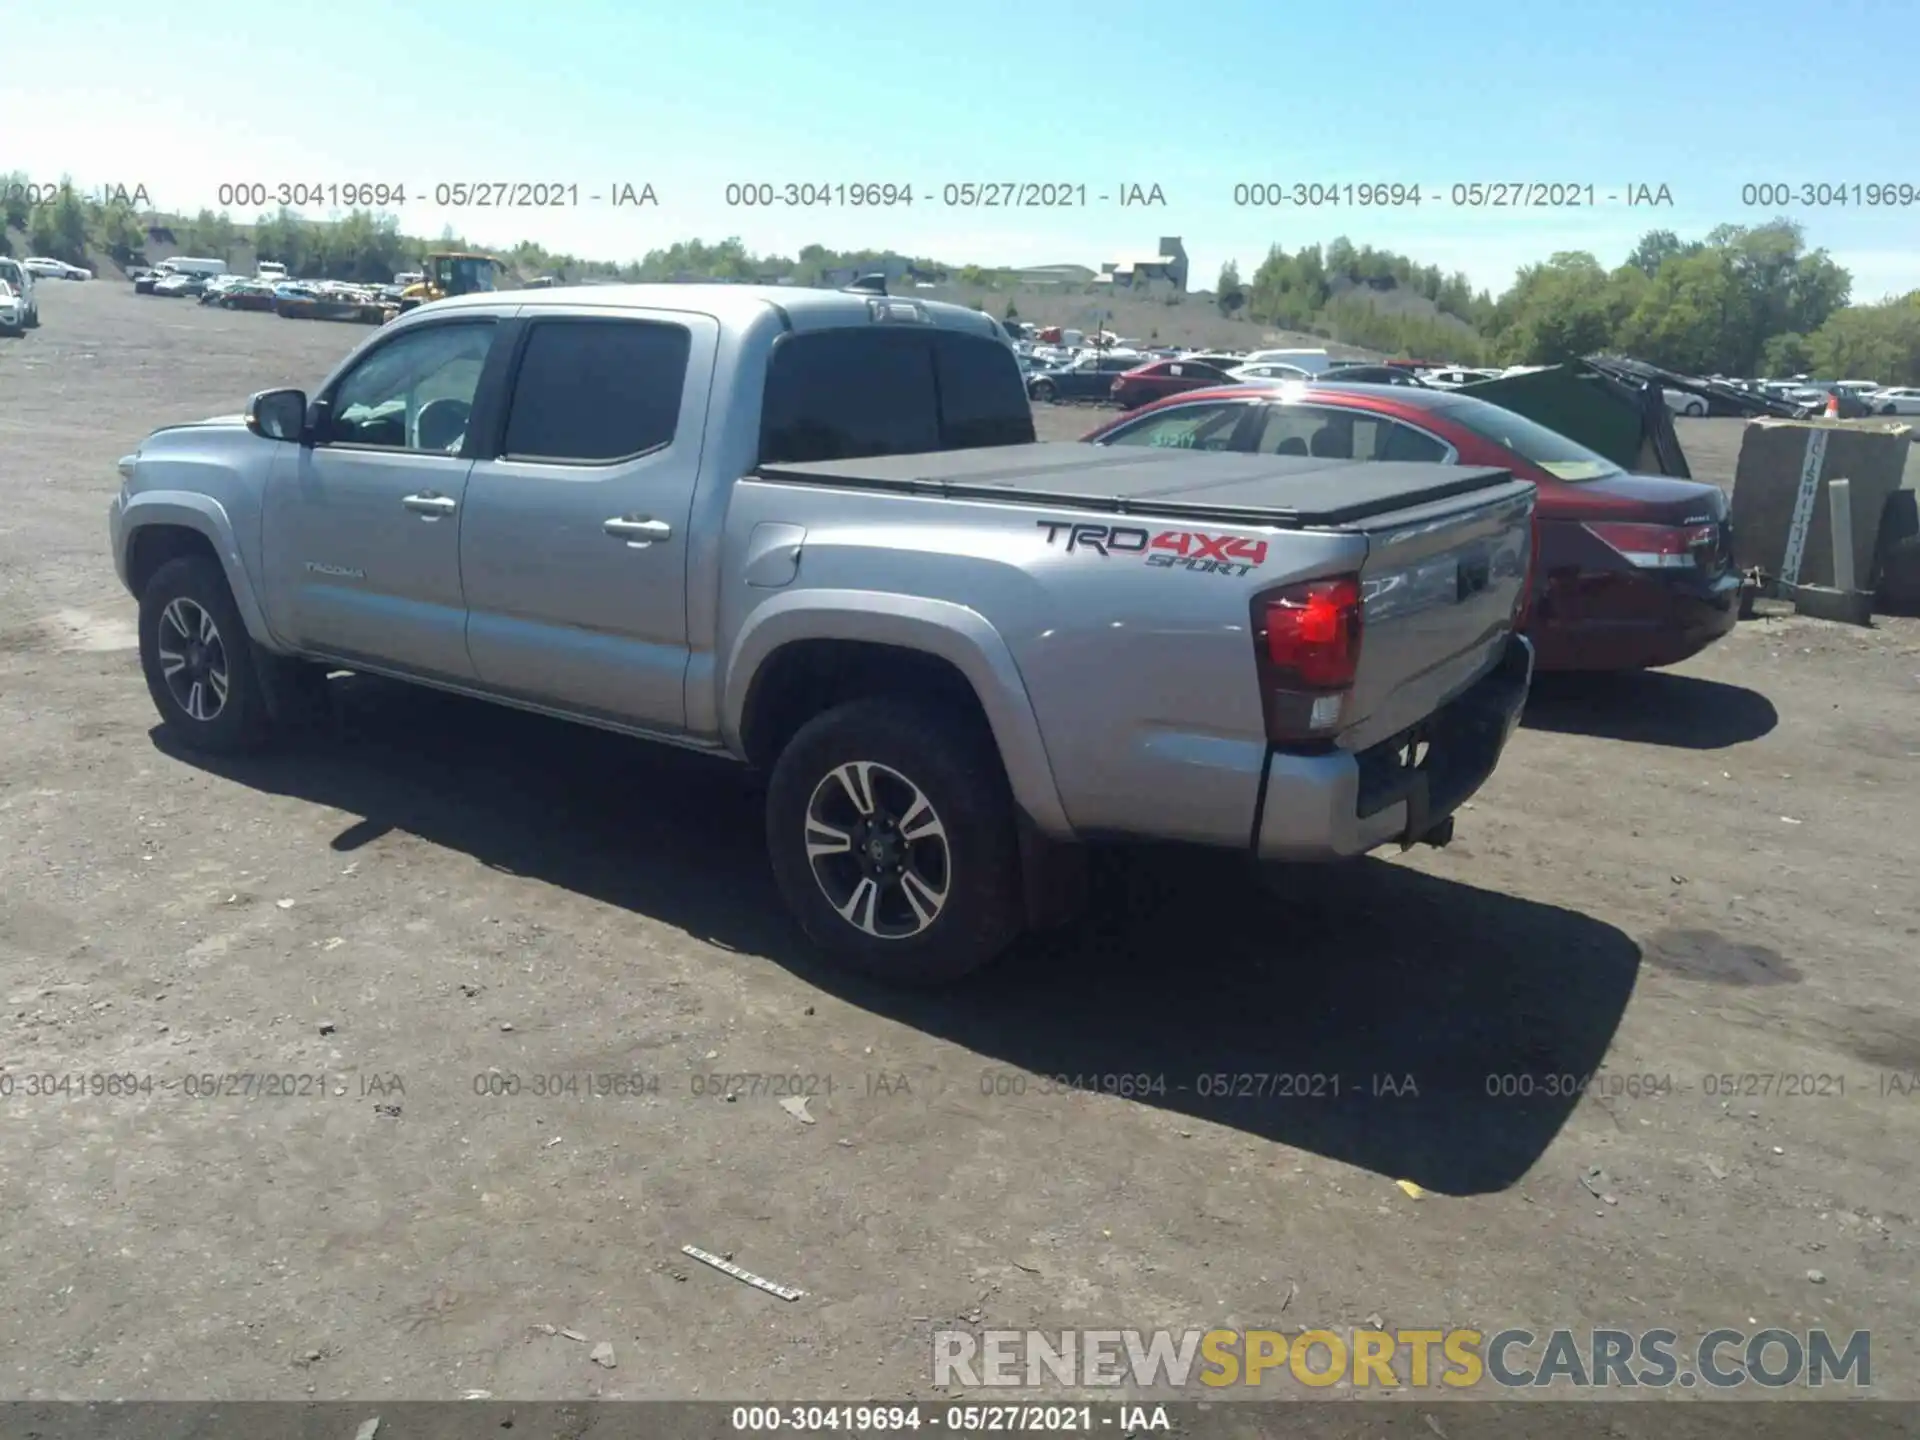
x,y
1558,311
1227,293
1691,315
1786,354
14,208
1872,342
1656,247
121,234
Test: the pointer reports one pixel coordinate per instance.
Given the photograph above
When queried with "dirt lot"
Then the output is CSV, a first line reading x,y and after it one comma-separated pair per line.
x,y
1685,876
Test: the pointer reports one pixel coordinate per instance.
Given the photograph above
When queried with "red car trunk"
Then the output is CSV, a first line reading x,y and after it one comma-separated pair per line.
x,y
1632,570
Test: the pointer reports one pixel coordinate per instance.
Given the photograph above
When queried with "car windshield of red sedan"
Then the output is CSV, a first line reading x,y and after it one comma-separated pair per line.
x,y
1553,452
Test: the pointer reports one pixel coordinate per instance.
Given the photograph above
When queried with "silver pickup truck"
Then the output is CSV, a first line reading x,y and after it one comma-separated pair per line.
x,y
811,530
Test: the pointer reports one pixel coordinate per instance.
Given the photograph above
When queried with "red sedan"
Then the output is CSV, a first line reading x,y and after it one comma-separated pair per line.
x,y
1145,384
1633,570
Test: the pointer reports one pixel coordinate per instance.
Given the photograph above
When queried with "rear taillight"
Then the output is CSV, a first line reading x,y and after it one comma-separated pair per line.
x,y
1656,547
1307,640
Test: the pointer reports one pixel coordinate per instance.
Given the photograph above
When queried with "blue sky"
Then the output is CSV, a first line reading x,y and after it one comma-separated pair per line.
x,y
1701,96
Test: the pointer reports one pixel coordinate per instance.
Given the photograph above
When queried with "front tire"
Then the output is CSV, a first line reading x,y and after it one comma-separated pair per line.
x,y
198,660
891,830
1694,410
1043,392
33,318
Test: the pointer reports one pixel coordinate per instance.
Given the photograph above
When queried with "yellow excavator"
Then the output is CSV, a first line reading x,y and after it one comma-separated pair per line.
x,y
456,272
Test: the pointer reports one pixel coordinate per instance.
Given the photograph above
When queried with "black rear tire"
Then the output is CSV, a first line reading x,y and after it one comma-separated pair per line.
x,y
954,767
190,627
1043,393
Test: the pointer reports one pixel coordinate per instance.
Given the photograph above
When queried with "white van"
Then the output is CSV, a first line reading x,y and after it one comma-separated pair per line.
x,y
188,265
271,271
1314,362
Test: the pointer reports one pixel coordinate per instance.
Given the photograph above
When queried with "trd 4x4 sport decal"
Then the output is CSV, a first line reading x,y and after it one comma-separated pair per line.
x,y
1167,550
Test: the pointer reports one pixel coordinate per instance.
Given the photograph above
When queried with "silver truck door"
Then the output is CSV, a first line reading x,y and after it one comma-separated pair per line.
x,y
574,545
361,534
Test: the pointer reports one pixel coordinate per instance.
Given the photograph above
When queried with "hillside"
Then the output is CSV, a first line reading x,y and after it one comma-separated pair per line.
x,y
1173,320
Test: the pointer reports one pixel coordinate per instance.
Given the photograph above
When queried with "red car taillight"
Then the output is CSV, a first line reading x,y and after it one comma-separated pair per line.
x,y
1307,640
1656,547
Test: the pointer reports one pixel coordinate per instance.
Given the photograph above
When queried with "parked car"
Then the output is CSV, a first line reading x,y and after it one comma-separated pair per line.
x,y
19,306
1221,360
1895,400
1271,373
1454,376
45,267
1634,571
1314,361
176,283
1683,402
1145,384
741,520
1372,375
219,286
247,295
1088,377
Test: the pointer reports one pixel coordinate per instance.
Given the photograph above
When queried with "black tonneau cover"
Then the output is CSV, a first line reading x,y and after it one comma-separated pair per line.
x,y
1289,491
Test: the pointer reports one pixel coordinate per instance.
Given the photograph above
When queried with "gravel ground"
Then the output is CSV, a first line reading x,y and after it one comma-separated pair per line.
x,y
1688,875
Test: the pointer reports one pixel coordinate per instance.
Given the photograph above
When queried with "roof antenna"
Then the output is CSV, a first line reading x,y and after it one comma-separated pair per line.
x,y
875,284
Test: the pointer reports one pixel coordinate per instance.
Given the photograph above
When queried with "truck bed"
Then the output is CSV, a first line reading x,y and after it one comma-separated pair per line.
x,y
1286,491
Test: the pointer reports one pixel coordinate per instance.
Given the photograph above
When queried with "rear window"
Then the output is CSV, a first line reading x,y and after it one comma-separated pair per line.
x,y
890,390
1553,452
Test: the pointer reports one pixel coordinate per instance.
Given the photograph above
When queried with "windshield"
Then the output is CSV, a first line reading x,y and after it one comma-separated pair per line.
x,y
1553,452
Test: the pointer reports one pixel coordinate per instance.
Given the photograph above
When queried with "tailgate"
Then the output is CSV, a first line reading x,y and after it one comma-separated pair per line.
x,y
1441,585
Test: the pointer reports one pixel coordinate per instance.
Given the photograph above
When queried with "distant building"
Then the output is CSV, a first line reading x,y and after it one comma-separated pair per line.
x,y
1053,276
1166,267
895,267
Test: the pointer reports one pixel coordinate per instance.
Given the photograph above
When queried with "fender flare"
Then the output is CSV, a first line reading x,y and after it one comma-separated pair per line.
x,y
207,517
962,637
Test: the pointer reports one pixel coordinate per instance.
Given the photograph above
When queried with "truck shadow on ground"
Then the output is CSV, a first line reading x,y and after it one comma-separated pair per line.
x,y
1419,1027
1650,707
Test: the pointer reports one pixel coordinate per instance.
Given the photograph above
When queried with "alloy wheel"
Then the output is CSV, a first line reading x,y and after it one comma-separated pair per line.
x,y
878,850
193,659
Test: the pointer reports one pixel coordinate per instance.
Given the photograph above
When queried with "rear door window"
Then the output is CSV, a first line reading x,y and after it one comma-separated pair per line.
x,y
590,391
849,393
843,394
1306,430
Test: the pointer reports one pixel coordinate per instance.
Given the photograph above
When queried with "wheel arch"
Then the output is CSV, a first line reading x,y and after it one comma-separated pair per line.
x,y
797,654
160,526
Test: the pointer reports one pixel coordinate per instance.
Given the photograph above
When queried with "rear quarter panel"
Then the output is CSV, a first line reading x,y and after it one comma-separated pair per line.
x,y
1136,663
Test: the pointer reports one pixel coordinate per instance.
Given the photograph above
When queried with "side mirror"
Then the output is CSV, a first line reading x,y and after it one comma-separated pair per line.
x,y
278,414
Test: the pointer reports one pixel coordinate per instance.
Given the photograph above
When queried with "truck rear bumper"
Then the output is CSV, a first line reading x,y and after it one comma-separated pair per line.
x,y
1333,806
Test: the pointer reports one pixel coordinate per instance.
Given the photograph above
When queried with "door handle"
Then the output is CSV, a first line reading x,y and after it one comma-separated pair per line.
x,y
637,530
430,505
